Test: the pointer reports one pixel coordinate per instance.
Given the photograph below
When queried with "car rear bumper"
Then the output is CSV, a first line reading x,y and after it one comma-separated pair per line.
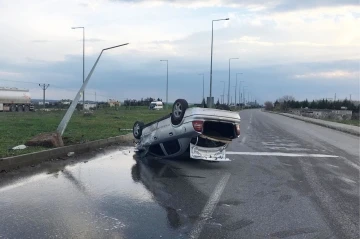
x,y
208,154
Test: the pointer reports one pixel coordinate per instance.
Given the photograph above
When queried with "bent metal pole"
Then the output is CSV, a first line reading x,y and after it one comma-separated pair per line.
x,y
62,126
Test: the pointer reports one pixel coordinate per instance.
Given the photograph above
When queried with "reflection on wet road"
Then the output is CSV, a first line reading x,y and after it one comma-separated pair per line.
x,y
113,196
276,186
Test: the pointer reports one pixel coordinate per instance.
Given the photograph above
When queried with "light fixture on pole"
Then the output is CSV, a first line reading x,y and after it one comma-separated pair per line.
x,y
229,78
212,41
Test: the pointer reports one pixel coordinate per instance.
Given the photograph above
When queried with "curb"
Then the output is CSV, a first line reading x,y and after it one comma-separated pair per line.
x,y
16,162
344,130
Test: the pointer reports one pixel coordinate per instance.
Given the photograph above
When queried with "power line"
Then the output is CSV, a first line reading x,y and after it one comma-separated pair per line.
x,y
21,81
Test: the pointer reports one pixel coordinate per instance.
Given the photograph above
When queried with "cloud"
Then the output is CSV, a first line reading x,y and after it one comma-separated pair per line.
x,y
335,74
10,74
93,39
273,44
251,5
40,41
33,60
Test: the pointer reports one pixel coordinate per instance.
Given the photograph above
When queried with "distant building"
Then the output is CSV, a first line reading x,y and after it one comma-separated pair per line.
x,y
113,103
87,106
66,102
41,103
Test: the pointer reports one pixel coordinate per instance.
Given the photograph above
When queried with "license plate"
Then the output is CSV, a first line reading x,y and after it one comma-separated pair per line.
x,y
209,154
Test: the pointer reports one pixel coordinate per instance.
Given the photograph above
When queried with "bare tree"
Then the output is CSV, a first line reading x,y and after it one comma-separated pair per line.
x,y
286,98
284,101
268,105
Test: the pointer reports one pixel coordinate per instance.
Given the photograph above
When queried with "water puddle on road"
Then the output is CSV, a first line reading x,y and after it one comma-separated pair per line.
x,y
108,195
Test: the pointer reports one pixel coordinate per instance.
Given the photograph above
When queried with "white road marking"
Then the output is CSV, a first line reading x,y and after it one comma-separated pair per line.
x,y
281,154
243,140
331,165
348,162
287,148
280,144
209,207
347,180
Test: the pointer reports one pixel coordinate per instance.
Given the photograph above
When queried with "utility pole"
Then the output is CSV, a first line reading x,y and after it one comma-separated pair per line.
x,y
44,87
350,97
335,97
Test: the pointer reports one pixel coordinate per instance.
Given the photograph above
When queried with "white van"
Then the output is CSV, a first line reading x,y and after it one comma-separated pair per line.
x,y
156,105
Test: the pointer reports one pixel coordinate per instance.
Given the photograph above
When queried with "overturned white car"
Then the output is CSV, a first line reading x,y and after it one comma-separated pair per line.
x,y
205,132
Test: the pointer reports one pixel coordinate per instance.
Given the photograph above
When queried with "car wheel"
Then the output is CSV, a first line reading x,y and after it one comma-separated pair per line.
x,y
20,108
178,111
26,108
137,129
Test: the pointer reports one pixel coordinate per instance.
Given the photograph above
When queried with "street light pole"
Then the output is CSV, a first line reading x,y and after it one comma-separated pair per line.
x,y
244,98
212,41
203,97
83,61
236,87
229,79
167,81
65,120
223,95
235,97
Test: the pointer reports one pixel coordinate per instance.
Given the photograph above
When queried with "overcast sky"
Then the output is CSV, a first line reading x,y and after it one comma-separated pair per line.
x,y
308,48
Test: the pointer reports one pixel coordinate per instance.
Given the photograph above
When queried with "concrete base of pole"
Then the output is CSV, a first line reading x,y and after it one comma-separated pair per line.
x,y
46,140
210,102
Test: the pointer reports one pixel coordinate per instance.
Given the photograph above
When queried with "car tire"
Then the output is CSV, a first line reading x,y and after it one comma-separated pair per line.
x,y
137,129
26,108
178,111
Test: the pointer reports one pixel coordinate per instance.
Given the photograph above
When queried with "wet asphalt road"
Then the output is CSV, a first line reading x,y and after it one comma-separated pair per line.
x,y
287,179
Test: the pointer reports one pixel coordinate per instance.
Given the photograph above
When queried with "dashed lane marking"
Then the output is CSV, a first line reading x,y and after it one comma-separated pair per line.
x,y
209,207
243,140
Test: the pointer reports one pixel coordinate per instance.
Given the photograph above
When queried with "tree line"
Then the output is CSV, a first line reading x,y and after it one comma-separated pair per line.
x,y
289,102
142,102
